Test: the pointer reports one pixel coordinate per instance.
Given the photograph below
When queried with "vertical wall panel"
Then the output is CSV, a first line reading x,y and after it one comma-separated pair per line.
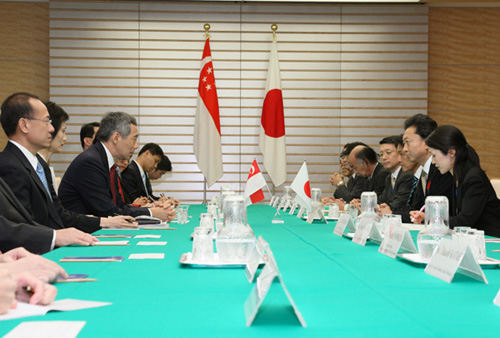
x,y
464,76
348,73
24,58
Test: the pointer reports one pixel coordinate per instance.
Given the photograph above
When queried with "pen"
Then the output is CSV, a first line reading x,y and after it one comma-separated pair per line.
x,y
421,209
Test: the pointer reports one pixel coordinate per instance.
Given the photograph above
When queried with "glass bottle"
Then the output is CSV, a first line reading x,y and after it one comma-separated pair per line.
x,y
368,206
436,221
235,241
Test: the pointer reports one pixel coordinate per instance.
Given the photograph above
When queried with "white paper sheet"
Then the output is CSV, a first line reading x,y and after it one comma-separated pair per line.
x,y
147,256
103,243
28,310
152,243
49,329
147,236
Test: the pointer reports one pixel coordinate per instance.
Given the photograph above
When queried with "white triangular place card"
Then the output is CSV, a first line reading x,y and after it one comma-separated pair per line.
x,y
271,202
451,257
397,239
255,258
363,230
345,221
261,289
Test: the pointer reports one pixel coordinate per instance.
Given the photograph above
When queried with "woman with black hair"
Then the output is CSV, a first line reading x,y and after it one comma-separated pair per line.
x,y
474,202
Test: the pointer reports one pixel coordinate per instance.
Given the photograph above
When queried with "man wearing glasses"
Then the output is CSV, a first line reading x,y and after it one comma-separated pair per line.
x,y
27,124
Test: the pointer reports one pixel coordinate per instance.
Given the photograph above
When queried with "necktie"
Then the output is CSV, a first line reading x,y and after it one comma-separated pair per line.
x,y
423,177
114,180
144,180
41,173
393,182
413,187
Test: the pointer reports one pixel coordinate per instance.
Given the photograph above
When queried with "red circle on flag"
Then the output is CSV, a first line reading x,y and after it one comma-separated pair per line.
x,y
307,189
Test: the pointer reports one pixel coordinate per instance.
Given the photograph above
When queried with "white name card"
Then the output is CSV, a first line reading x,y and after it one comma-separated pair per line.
x,y
451,257
282,203
496,301
287,204
271,202
342,223
292,209
301,212
317,212
397,238
255,258
363,231
261,288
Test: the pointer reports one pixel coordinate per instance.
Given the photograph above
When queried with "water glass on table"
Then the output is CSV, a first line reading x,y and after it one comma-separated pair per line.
x,y
203,245
182,214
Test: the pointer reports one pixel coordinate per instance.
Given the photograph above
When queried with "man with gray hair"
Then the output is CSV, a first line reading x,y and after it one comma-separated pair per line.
x,y
91,184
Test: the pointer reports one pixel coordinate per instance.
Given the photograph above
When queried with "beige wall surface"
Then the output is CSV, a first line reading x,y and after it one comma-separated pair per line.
x,y
464,76
24,58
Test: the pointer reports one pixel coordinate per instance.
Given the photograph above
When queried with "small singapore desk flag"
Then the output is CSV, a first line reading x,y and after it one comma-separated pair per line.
x,y
207,136
255,183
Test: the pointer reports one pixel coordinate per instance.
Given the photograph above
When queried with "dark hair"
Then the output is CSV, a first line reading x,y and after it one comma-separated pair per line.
x,y
368,154
87,131
164,164
449,137
423,123
13,109
153,148
350,146
57,115
115,122
396,140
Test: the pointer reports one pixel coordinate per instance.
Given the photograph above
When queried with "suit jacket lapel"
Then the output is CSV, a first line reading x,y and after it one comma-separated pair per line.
x,y
34,176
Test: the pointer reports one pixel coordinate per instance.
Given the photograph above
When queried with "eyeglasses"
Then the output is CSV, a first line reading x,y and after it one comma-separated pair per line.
x,y
45,121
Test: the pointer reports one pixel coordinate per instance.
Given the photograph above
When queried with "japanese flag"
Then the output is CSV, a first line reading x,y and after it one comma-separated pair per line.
x,y
302,188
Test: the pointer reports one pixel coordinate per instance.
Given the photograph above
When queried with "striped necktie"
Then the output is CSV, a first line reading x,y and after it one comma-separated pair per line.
x,y
41,173
413,187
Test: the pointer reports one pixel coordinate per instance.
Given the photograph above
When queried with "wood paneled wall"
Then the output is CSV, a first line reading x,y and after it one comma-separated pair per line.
x,y
464,76
24,58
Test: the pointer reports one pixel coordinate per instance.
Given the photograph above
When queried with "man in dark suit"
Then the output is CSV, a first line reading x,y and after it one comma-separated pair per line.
x,y
354,186
431,181
364,162
18,229
90,184
163,167
27,124
134,179
399,183
414,169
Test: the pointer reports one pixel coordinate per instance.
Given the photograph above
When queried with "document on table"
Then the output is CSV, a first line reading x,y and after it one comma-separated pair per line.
x,y
28,310
56,328
111,243
147,236
151,243
147,256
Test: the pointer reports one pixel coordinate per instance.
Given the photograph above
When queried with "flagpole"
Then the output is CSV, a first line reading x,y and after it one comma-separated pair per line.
x,y
204,190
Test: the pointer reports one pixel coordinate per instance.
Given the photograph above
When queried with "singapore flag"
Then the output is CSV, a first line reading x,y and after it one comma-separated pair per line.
x,y
255,183
302,188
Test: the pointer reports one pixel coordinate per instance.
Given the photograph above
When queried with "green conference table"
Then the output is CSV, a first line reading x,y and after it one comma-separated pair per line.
x,y
342,289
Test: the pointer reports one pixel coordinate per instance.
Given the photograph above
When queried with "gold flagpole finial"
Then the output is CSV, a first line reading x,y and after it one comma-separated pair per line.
x,y
207,28
274,28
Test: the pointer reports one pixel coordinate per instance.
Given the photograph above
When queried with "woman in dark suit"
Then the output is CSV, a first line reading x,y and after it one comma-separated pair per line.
x,y
474,202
